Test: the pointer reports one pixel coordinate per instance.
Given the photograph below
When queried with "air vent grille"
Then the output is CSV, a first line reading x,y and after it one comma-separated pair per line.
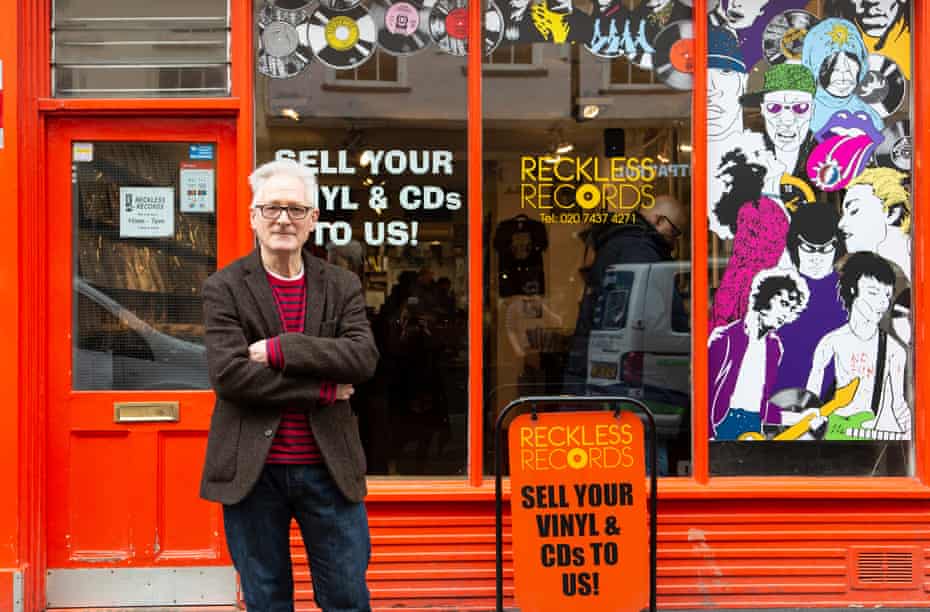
x,y
884,569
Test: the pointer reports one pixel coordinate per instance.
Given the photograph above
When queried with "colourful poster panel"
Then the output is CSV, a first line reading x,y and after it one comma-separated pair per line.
x,y
810,217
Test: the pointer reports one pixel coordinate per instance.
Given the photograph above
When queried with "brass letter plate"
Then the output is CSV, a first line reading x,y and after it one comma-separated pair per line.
x,y
144,412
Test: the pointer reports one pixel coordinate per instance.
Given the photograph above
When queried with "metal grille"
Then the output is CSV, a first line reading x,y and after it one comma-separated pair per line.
x,y
138,321
113,48
885,569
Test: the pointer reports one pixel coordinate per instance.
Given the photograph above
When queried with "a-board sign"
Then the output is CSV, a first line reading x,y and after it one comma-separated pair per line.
x,y
579,512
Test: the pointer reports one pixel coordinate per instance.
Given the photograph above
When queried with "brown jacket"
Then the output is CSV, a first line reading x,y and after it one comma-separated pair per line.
x,y
337,346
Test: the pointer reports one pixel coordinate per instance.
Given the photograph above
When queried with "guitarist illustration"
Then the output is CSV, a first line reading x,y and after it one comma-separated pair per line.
x,y
861,350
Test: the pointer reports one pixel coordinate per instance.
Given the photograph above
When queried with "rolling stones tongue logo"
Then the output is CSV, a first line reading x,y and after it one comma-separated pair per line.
x,y
847,142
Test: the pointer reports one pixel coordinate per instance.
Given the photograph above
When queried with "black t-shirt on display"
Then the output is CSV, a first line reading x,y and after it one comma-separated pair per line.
x,y
519,243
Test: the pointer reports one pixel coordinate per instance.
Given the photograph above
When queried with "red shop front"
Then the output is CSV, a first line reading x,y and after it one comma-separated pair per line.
x,y
480,193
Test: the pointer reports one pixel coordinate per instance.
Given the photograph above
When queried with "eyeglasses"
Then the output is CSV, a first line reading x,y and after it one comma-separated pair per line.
x,y
273,211
799,108
676,233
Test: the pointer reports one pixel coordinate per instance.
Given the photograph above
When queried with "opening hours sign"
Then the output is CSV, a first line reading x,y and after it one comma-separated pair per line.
x,y
580,532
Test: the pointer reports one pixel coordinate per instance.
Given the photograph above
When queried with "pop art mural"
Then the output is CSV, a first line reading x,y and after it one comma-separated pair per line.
x,y
809,204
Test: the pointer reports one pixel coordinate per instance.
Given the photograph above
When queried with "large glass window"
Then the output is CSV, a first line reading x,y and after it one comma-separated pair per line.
x,y
139,49
372,95
810,217
587,211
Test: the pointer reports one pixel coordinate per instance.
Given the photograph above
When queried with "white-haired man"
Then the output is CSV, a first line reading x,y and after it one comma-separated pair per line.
x,y
286,338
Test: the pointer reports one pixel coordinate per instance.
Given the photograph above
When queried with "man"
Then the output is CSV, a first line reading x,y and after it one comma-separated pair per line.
x,y
860,350
786,103
877,216
286,338
743,356
814,245
726,83
649,239
885,26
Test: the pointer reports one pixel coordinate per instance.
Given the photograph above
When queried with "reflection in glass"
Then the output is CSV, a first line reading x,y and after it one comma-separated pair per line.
x,y
587,215
383,126
137,305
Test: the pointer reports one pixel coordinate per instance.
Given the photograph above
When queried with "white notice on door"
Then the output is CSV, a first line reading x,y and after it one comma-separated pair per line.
x,y
197,187
146,212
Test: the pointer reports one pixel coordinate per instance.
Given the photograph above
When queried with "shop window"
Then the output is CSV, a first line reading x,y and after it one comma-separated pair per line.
x,y
810,217
139,266
133,49
393,187
621,74
515,60
382,70
587,216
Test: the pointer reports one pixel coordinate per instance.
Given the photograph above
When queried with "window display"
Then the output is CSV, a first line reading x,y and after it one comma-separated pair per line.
x,y
810,217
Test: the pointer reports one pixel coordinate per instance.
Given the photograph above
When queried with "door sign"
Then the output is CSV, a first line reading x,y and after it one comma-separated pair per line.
x,y
146,212
579,515
197,194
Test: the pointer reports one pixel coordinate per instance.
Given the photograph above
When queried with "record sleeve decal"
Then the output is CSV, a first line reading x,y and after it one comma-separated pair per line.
x,y
448,26
674,56
783,37
284,51
610,33
339,5
342,39
403,26
883,86
895,151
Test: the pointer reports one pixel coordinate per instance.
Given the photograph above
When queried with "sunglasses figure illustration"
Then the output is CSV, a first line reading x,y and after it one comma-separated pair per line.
x,y
814,246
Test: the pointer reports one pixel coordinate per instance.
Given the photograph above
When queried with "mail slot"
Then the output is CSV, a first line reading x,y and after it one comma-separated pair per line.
x,y
142,412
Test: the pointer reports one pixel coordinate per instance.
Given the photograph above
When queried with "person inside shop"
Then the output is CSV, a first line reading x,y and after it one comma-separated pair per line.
x,y
650,238
287,338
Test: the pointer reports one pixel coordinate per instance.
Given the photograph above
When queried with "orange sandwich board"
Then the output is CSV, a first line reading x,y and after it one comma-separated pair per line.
x,y
579,512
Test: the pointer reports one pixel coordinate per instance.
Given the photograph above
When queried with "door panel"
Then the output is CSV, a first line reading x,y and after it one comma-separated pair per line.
x,y
136,220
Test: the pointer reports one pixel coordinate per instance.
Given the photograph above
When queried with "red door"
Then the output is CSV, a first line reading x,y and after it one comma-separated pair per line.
x,y
136,217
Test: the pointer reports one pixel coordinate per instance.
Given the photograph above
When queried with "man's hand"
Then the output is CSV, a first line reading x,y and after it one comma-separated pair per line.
x,y
258,352
344,392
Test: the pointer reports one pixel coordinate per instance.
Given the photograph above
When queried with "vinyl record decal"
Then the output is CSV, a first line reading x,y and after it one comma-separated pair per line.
x,y
283,49
342,39
403,25
448,26
883,87
674,56
291,5
339,5
294,12
783,37
895,151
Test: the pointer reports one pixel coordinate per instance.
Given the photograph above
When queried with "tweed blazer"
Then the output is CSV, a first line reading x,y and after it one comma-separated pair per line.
x,y
336,346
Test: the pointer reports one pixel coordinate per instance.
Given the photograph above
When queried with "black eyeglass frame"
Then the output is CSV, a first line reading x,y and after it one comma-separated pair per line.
x,y
294,212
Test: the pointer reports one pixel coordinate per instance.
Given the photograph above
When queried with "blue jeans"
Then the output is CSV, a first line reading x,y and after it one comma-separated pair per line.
x,y
736,423
334,530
